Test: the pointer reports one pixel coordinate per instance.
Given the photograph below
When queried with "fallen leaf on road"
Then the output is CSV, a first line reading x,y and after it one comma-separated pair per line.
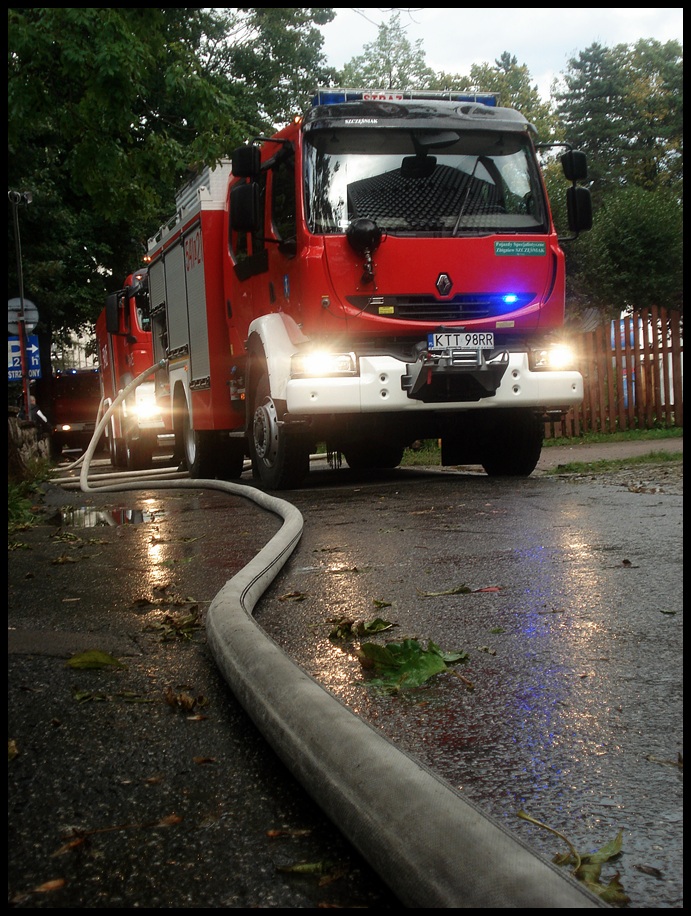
x,y
48,886
94,658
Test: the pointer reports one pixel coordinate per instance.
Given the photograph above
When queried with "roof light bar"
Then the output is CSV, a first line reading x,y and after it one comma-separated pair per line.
x,y
336,96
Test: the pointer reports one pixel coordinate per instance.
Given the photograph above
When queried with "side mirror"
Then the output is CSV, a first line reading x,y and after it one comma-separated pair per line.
x,y
246,162
575,165
244,208
112,313
579,208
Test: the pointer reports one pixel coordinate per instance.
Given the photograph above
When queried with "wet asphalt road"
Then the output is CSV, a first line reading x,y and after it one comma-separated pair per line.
x,y
155,790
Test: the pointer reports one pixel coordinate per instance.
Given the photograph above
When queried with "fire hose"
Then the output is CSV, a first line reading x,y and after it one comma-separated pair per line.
x,y
430,845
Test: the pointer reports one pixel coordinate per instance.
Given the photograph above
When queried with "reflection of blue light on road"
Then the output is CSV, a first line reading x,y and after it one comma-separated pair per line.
x,y
549,706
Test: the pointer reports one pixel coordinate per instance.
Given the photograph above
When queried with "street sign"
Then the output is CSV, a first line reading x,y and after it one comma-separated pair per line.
x,y
14,311
14,358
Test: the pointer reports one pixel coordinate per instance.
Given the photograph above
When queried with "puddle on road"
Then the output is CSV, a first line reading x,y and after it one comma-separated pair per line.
x,y
88,517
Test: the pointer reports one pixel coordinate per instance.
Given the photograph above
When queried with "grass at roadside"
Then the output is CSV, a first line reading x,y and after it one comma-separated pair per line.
x,y
429,453
628,435
605,465
23,496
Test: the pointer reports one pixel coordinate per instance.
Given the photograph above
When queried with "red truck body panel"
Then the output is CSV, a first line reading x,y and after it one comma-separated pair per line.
x,y
125,349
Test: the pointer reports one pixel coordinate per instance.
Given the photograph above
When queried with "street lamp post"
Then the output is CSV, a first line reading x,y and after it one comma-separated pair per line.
x,y
16,198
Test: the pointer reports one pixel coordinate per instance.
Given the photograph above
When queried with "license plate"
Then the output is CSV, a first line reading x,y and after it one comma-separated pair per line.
x,y
460,340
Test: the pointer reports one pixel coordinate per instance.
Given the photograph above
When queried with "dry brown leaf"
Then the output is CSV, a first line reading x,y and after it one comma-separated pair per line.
x,y
48,886
169,821
68,847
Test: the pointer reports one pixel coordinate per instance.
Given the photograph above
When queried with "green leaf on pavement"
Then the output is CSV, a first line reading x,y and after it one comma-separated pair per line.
x,y
94,659
405,664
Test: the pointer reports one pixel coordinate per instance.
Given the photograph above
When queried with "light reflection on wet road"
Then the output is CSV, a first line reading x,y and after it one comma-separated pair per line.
x,y
576,661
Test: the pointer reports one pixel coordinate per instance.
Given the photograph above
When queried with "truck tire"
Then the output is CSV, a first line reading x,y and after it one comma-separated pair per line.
x,y
209,454
138,453
116,450
55,447
514,446
373,455
279,459
231,454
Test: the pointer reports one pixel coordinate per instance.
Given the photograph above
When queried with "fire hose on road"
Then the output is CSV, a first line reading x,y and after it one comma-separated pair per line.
x,y
430,845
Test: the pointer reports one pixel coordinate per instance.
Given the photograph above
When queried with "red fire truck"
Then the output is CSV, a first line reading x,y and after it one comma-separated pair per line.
x,y
384,269
123,332
75,398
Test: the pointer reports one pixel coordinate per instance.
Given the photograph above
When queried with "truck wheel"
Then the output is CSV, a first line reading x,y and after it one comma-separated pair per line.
x,y
373,455
197,451
281,460
210,454
55,447
118,455
513,448
138,454
231,456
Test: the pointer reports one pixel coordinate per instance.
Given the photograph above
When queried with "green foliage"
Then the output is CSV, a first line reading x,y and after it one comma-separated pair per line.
x,y
24,496
624,435
93,659
19,508
512,82
390,62
110,109
623,106
633,256
607,465
425,453
405,664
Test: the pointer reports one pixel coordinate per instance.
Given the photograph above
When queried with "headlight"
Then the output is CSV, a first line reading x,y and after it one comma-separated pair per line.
x,y
558,356
143,406
146,410
321,363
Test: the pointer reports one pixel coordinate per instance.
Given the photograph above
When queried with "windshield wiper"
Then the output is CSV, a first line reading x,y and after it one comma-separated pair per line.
x,y
465,198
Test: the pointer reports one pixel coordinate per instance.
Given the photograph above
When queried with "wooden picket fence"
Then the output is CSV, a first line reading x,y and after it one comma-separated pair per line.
x,y
632,371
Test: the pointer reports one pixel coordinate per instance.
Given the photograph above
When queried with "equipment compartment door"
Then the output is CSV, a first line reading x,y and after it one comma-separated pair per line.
x,y
194,280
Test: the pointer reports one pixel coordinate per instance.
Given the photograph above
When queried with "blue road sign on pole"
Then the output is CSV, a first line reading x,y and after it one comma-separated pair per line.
x,y
14,358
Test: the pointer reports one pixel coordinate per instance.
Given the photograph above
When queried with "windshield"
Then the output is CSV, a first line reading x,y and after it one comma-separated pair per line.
x,y
422,183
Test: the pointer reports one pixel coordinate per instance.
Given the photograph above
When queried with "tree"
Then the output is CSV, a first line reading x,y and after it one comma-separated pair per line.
x,y
274,56
512,83
390,62
110,109
623,106
633,256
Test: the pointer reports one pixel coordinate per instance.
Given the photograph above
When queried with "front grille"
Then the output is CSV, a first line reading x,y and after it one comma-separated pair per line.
x,y
463,307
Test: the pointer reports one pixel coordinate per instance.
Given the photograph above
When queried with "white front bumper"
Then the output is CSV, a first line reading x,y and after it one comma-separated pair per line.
x,y
378,389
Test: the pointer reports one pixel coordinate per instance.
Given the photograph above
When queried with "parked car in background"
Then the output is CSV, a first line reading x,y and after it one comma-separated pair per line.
x,y
74,407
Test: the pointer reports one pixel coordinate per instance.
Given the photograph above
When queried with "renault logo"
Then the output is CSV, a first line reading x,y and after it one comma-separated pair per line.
x,y
444,284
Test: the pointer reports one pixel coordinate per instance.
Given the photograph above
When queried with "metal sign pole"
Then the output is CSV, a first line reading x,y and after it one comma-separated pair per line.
x,y
15,197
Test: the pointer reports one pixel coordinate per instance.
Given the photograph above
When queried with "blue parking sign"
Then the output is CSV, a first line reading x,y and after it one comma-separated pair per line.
x,y
14,358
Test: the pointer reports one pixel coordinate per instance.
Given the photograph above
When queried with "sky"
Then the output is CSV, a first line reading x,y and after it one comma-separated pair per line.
x,y
542,39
